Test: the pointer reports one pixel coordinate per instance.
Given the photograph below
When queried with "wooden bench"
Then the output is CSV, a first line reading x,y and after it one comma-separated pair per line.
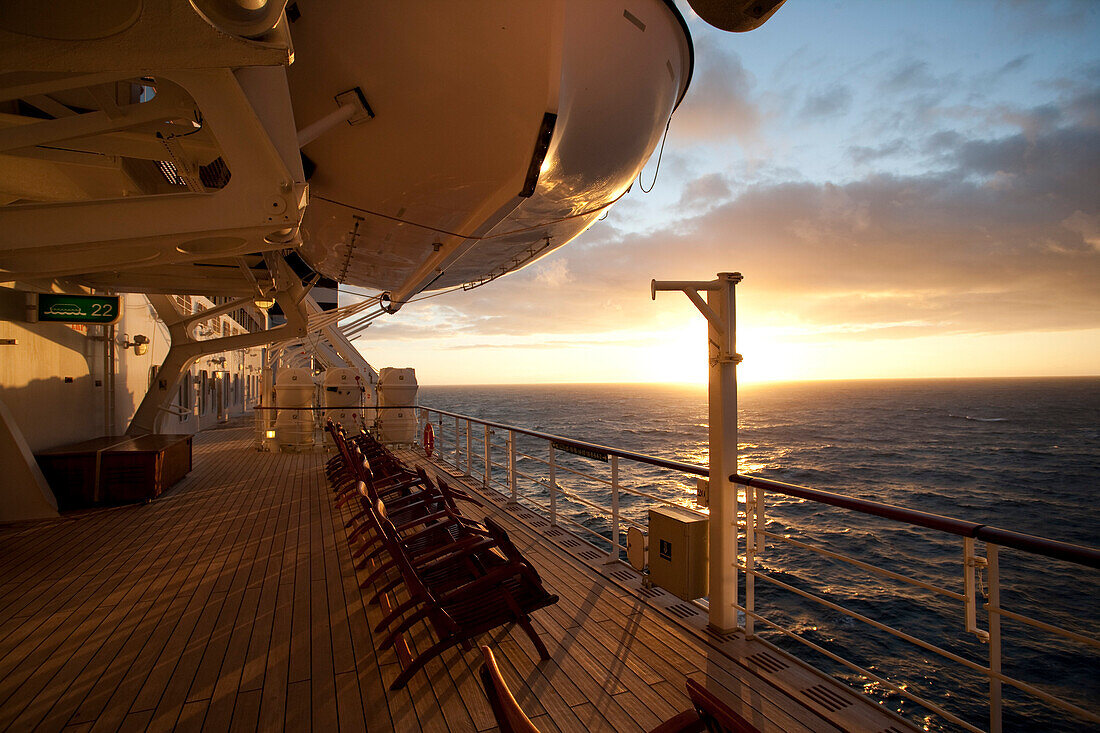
x,y
115,468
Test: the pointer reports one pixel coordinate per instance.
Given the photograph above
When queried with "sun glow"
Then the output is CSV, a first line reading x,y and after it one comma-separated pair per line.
x,y
680,355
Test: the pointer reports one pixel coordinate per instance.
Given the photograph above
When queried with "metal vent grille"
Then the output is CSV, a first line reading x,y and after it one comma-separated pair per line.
x,y
767,662
682,610
215,175
827,698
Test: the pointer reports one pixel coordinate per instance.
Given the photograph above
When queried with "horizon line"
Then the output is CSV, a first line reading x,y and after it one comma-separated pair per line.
x,y
755,383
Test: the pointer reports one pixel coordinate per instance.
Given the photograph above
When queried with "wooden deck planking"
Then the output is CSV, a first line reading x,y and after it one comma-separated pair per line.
x,y
110,599
232,603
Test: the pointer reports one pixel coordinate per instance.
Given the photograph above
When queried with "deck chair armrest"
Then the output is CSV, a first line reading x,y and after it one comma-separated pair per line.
x,y
491,579
685,722
509,715
403,529
389,488
465,546
712,709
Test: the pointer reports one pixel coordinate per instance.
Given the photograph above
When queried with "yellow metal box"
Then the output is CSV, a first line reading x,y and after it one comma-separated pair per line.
x,y
678,551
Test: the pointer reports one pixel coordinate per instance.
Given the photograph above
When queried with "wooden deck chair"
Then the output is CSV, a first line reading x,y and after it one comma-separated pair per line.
x,y
506,594
511,718
715,714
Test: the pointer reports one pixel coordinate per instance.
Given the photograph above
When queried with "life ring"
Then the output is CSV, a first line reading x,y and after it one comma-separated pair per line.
x,y
429,439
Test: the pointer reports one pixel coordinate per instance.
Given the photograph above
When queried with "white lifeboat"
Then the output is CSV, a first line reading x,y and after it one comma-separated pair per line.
x,y
474,142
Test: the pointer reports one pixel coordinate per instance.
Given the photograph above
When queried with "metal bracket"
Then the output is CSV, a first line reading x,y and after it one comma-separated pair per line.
x,y
971,560
691,289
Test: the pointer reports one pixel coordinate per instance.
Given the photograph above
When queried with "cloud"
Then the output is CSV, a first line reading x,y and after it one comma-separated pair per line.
x,y
862,154
554,274
1003,236
835,100
705,191
1016,64
720,104
909,75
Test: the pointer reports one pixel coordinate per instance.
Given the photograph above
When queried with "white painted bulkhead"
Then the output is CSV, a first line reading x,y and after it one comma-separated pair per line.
x,y
57,388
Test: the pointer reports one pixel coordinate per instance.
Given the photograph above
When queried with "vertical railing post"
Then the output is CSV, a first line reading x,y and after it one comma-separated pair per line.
x,y
488,461
553,488
994,638
512,463
750,556
469,453
456,443
614,554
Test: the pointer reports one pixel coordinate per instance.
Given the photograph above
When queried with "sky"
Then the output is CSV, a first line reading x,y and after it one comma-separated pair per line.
x,y
909,189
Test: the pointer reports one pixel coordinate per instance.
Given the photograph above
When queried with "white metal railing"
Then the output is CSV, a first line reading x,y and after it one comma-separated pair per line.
x,y
550,473
491,453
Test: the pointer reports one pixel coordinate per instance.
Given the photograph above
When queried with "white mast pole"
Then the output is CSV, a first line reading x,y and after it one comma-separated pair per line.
x,y
720,312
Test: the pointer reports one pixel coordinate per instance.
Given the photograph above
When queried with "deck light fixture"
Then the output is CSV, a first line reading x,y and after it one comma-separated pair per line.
x,y
140,344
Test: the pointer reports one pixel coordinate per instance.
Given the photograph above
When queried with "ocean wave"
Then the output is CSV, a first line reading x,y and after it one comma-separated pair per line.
x,y
979,419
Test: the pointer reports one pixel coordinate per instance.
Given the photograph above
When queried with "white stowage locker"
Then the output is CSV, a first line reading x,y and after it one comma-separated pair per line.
x,y
294,390
349,397
397,403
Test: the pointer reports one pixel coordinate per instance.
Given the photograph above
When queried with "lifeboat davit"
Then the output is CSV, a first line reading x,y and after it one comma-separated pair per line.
x,y
475,141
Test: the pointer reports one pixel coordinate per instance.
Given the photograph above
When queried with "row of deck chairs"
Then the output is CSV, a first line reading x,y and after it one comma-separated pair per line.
x,y
462,578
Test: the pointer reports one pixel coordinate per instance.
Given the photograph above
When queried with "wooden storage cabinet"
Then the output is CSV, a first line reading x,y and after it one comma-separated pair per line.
x,y
116,469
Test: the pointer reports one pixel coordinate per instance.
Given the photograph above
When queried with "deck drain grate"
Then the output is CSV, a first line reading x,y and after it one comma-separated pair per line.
x,y
554,533
539,523
826,698
891,729
651,592
589,554
682,610
622,575
767,662
570,543
525,515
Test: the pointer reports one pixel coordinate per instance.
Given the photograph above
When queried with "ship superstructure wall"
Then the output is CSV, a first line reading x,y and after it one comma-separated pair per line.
x,y
57,382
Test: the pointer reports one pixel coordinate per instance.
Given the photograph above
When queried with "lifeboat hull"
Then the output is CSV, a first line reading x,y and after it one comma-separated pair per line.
x,y
434,189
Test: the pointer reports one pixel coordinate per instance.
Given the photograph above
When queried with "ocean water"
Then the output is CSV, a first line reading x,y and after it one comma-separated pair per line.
x,y
1021,454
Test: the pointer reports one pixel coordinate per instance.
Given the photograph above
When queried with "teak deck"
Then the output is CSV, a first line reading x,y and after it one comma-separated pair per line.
x,y
232,603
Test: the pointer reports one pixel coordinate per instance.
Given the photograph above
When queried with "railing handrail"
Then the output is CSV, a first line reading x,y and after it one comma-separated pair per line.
x,y
346,408
631,455
1055,549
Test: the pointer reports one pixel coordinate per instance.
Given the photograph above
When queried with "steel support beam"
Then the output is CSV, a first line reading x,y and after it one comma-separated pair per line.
x,y
185,349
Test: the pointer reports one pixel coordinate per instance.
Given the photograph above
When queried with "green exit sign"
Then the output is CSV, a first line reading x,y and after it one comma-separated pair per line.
x,y
92,309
